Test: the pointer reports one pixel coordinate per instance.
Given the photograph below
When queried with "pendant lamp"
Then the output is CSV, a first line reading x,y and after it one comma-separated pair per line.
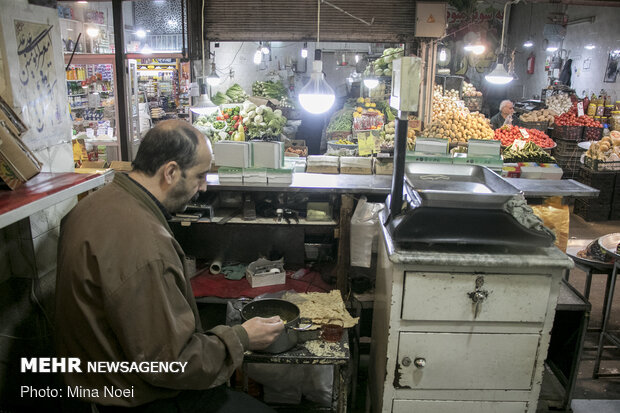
x,y
317,96
499,75
203,105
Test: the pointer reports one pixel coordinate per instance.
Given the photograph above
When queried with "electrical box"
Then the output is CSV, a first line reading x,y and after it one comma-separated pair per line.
x,y
430,19
406,83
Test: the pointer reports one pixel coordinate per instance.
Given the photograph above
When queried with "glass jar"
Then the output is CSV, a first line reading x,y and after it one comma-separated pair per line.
x,y
615,120
608,110
617,105
600,110
592,109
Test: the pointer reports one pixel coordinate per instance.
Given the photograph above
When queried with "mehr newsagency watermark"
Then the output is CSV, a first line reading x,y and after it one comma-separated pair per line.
x,y
74,365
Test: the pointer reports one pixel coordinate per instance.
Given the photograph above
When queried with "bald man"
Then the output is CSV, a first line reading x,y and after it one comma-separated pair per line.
x,y
123,293
504,116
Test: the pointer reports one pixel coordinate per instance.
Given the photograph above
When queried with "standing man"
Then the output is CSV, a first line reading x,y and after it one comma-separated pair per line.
x,y
123,293
504,116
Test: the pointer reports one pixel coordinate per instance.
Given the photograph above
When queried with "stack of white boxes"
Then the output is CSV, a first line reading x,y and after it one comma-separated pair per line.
x,y
256,162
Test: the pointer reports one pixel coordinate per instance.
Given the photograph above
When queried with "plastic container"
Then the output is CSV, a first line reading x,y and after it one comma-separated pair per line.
x,y
598,165
572,133
592,133
592,109
605,182
541,126
608,110
615,120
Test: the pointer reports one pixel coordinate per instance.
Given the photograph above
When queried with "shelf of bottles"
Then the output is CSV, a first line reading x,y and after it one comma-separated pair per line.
x,y
159,80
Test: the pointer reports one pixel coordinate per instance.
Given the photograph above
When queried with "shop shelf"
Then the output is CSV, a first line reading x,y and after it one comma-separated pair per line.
x,y
572,133
591,211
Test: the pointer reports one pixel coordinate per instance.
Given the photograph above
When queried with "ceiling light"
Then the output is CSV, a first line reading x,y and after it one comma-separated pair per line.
x,y
213,79
304,51
141,33
371,82
590,46
258,56
203,105
443,56
317,96
476,49
357,58
528,43
92,32
552,49
265,49
499,75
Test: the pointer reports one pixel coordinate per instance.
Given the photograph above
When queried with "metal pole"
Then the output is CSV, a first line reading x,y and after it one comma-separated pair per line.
x,y
400,149
119,60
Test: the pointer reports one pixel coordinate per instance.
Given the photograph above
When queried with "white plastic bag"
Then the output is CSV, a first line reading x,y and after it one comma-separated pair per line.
x,y
364,232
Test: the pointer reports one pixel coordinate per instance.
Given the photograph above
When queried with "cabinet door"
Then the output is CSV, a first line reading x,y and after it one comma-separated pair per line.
x,y
437,406
447,297
465,361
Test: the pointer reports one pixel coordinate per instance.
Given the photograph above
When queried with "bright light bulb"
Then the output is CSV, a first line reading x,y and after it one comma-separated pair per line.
x,y
552,49
499,76
590,46
92,31
528,43
203,106
476,49
264,50
304,53
357,58
317,96
443,55
371,83
258,57
213,79
141,33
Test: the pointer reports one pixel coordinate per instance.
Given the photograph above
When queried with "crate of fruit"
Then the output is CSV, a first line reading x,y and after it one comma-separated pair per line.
x,y
592,133
601,165
567,132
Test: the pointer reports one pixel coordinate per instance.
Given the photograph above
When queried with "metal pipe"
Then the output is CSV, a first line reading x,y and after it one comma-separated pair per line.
x,y
120,81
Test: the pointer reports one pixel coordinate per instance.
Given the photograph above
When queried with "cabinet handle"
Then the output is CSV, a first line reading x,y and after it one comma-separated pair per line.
x,y
419,362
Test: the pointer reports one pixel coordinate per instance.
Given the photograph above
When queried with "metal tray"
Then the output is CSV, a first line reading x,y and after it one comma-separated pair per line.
x,y
458,186
609,243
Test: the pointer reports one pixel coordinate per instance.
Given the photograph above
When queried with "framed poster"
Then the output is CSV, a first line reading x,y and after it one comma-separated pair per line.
x,y
612,68
32,60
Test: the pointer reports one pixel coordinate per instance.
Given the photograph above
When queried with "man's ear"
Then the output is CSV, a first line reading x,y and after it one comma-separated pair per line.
x,y
171,172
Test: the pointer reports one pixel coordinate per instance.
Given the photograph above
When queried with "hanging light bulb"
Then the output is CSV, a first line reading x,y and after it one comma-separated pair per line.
x,y
213,79
141,33
304,51
258,56
528,43
590,46
476,49
317,96
357,58
371,82
203,105
499,75
265,49
443,56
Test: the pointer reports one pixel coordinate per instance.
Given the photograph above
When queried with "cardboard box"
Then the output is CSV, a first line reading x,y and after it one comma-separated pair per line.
x,y
254,175
384,166
122,166
323,164
94,164
355,165
228,175
268,154
17,163
230,153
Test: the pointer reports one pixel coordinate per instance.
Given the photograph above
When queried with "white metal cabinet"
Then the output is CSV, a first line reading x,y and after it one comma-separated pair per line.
x,y
465,331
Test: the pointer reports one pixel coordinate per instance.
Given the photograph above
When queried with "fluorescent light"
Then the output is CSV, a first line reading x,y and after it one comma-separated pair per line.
x,y
590,46
141,33
258,56
499,76
92,32
304,51
528,43
317,96
552,49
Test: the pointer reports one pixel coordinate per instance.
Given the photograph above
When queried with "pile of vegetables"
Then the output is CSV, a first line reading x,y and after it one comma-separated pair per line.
x,y
543,115
261,121
383,65
560,103
570,119
508,134
460,127
469,90
269,89
341,121
526,151
445,104
234,94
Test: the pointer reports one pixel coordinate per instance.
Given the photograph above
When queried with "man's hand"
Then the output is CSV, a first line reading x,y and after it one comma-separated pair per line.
x,y
263,331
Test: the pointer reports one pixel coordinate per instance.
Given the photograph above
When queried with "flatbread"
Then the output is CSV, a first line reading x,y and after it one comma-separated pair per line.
x,y
322,308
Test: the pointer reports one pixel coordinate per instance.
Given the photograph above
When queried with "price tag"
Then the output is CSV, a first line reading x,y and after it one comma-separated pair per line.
x,y
524,133
580,109
365,144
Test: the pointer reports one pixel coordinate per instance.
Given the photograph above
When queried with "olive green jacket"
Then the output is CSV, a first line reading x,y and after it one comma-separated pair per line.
x,y
123,294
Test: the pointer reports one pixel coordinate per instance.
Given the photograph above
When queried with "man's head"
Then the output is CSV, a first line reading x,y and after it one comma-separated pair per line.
x,y
506,108
172,163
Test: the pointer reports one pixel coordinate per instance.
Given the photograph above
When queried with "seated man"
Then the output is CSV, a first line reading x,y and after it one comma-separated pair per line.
x,y
504,116
123,294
